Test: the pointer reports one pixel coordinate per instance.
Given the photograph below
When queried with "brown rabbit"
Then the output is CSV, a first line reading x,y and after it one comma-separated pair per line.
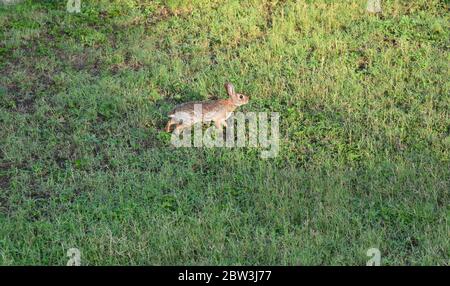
x,y
189,113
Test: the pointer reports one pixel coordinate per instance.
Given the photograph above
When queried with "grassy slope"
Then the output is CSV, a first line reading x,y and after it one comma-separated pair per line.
x,y
364,160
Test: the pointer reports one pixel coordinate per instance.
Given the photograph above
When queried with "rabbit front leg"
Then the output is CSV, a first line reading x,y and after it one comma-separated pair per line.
x,y
220,122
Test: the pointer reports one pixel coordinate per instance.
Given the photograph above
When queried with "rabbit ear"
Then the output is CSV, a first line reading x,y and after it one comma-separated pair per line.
x,y
230,89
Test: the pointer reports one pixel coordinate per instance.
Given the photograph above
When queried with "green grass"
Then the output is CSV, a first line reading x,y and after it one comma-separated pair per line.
x,y
365,133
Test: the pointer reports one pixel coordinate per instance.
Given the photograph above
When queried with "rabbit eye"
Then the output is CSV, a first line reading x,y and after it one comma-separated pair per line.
x,y
241,97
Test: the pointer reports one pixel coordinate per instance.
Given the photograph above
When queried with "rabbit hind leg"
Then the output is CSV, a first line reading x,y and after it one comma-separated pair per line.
x,y
180,127
170,123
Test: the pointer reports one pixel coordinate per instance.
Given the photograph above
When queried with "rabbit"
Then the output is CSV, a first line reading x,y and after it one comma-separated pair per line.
x,y
187,114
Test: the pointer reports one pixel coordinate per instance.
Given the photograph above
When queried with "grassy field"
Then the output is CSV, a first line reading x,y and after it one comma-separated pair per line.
x,y
364,146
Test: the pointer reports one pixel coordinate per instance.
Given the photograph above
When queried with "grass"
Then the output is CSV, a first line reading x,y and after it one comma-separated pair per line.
x,y
364,117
